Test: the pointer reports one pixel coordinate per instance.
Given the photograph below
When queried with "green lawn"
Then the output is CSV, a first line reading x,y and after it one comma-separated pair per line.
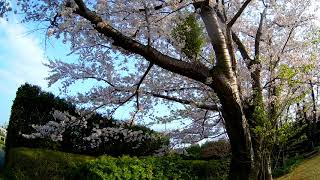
x,y
307,170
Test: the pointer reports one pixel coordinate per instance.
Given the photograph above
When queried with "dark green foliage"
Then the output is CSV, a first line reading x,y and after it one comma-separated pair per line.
x,y
288,166
115,147
33,106
216,149
293,144
25,163
39,164
190,32
119,147
169,167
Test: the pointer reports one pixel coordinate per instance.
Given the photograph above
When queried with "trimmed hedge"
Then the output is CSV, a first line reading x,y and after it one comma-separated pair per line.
x,y
39,164
34,106
25,163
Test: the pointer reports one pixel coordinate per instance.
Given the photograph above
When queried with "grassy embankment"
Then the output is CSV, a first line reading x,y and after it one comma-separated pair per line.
x,y
309,169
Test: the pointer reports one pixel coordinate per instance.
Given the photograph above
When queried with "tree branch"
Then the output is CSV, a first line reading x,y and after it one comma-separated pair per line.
x,y
99,79
199,73
139,83
258,35
241,47
187,102
237,15
184,89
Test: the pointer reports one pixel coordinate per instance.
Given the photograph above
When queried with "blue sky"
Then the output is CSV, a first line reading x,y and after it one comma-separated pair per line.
x,y
21,60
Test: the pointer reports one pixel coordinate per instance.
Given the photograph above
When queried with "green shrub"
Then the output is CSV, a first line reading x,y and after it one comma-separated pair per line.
x,y
25,163
288,166
194,151
108,167
169,167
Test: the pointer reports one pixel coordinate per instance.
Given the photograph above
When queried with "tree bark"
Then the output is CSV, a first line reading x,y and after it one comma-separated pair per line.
x,y
237,129
262,163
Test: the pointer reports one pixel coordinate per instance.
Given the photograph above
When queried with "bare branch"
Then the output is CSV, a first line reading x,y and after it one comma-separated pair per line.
x,y
288,38
187,102
122,103
158,7
259,34
139,84
237,15
241,47
184,89
99,79
146,14
203,122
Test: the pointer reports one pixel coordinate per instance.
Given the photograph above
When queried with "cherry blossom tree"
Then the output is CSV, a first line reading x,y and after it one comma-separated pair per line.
x,y
246,73
4,7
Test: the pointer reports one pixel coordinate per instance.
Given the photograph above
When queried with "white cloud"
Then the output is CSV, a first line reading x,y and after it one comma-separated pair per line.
x,y
21,58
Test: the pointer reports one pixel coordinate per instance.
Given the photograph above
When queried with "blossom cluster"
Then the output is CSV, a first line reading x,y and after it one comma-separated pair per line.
x,y
120,134
67,124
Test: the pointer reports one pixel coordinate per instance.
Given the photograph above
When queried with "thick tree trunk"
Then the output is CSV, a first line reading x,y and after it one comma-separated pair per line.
x,y
224,79
262,166
267,173
250,157
237,129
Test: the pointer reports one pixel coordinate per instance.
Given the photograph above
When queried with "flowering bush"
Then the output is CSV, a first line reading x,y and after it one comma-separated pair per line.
x,y
115,140
69,130
32,106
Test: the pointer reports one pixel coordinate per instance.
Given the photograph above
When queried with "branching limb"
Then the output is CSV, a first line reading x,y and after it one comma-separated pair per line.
x,y
258,35
139,84
238,14
199,73
187,102
241,47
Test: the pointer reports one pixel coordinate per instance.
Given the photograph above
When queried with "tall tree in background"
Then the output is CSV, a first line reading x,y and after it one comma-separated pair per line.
x,y
247,67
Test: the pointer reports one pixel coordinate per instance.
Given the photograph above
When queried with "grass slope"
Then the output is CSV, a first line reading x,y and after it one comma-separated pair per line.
x,y
307,170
